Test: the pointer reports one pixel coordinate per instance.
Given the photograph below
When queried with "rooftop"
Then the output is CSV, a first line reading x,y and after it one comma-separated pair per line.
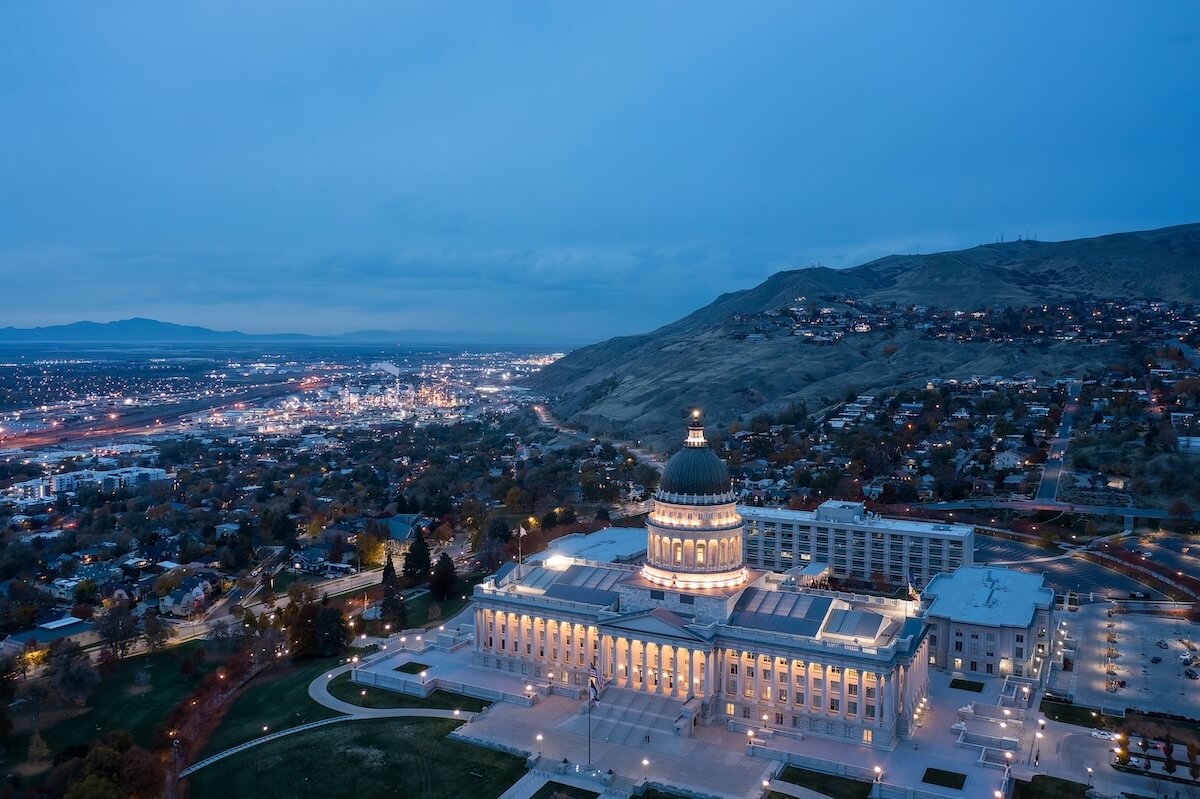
x,y
988,596
610,545
841,512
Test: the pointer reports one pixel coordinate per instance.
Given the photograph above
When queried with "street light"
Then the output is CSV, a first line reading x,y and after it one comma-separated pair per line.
x,y
1089,776
539,740
878,773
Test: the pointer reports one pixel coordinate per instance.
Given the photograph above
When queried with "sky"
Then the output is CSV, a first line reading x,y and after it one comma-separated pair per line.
x,y
559,172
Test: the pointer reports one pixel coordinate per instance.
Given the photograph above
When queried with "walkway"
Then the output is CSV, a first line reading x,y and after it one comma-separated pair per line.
x,y
318,691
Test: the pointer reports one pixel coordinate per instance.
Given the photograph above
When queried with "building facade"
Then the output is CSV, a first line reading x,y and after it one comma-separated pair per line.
x,y
855,544
989,621
749,649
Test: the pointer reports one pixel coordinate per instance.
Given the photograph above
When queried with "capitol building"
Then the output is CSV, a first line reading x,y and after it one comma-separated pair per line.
x,y
756,651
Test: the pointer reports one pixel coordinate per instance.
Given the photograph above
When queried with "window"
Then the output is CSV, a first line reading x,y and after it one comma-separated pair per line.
x,y
687,599
866,736
834,704
729,709
799,699
1020,638
783,696
745,711
1020,652
678,552
852,708
733,668
657,594
700,554
779,719
870,711
852,690
870,692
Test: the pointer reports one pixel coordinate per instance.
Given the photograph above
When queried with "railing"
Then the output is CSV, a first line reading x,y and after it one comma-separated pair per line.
x,y
884,790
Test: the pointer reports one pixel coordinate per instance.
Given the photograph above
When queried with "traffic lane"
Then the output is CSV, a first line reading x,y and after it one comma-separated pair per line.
x,y
1169,552
992,550
1075,574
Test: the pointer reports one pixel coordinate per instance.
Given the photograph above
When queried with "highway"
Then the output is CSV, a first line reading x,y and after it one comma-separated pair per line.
x,y
145,420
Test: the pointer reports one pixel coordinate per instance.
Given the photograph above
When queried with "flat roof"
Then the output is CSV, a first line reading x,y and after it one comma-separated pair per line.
x,y
881,523
610,545
988,596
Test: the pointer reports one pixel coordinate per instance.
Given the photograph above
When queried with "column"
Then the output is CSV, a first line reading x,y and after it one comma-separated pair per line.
x,y
842,699
628,662
691,666
645,664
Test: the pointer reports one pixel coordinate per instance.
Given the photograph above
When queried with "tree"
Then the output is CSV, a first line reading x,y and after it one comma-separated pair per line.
x,y
70,673
549,520
85,592
392,610
332,634
602,514
337,550
118,629
38,751
444,578
156,632
499,530
416,560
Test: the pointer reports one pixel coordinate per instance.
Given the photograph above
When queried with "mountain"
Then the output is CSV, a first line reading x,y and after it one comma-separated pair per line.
x,y
151,331
641,386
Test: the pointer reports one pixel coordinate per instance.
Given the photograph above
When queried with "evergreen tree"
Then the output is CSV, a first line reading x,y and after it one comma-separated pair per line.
x,y
444,578
416,560
392,611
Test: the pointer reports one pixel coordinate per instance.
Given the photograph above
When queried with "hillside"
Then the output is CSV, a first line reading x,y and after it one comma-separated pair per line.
x,y
639,386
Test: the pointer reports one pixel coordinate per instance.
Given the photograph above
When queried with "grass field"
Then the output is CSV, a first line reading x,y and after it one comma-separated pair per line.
x,y
556,790
946,779
341,688
380,757
828,784
421,608
412,667
276,699
1043,787
1070,714
120,702
967,685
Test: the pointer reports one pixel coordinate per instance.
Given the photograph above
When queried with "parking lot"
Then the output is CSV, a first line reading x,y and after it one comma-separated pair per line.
x,y
1160,687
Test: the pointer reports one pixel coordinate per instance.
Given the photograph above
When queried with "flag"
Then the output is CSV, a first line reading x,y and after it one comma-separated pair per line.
x,y
523,532
912,592
593,688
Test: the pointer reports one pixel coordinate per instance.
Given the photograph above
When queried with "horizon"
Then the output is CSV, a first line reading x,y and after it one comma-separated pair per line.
x,y
500,171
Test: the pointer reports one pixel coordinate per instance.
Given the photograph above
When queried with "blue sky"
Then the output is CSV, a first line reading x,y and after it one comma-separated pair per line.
x,y
566,171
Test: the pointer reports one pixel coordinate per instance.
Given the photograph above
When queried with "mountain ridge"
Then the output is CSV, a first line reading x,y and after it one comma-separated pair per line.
x,y
637,386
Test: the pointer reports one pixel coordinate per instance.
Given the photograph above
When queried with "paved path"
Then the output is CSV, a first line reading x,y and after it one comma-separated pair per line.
x,y
318,691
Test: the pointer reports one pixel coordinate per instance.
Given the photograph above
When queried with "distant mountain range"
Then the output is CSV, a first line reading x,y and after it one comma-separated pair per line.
x,y
641,386
139,331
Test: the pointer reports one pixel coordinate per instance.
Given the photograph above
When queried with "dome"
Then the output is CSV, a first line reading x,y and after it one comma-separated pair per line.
x,y
695,470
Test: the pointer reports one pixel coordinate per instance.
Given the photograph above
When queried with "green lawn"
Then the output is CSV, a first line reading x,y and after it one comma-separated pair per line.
x,y
419,609
1043,787
412,667
556,790
946,779
1070,714
341,688
119,703
967,685
276,699
828,784
378,757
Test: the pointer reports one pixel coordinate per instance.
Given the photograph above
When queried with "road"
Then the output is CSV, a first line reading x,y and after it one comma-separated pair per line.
x,y
1061,507
546,419
1052,472
145,420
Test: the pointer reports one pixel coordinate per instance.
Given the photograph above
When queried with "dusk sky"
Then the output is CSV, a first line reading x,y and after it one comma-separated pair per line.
x,y
561,172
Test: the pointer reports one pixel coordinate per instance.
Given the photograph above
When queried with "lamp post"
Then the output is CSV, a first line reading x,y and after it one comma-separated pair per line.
x,y
645,770
1089,776
539,742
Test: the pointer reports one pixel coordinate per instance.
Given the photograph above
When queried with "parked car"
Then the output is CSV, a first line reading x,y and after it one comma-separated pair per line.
x,y
1156,659
1104,735
1161,644
1185,658
1191,674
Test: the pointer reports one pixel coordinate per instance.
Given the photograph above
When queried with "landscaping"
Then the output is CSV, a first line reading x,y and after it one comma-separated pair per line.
x,y
967,685
556,790
1044,787
1070,714
379,757
275,699
412,667
134,696
829,784
341,688
946,779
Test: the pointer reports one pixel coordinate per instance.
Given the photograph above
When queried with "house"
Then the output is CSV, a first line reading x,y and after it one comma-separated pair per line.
x,y
311,559
400,530
1008,459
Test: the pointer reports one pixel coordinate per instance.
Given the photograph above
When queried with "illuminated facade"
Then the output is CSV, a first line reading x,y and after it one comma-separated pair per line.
x,y
752,650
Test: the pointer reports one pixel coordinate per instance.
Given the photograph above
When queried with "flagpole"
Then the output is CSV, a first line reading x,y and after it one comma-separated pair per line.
x,y
589,765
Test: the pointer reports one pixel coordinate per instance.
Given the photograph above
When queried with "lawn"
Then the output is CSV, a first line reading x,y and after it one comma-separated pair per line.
x,y
377,757
412,667
426,610
556,790
1070,714
828,784
1044,787
276,699
946,779
341,688
967,685
120,702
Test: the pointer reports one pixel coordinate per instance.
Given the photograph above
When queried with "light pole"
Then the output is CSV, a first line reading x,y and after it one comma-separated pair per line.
x,y
1089,776
539,742
645,770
